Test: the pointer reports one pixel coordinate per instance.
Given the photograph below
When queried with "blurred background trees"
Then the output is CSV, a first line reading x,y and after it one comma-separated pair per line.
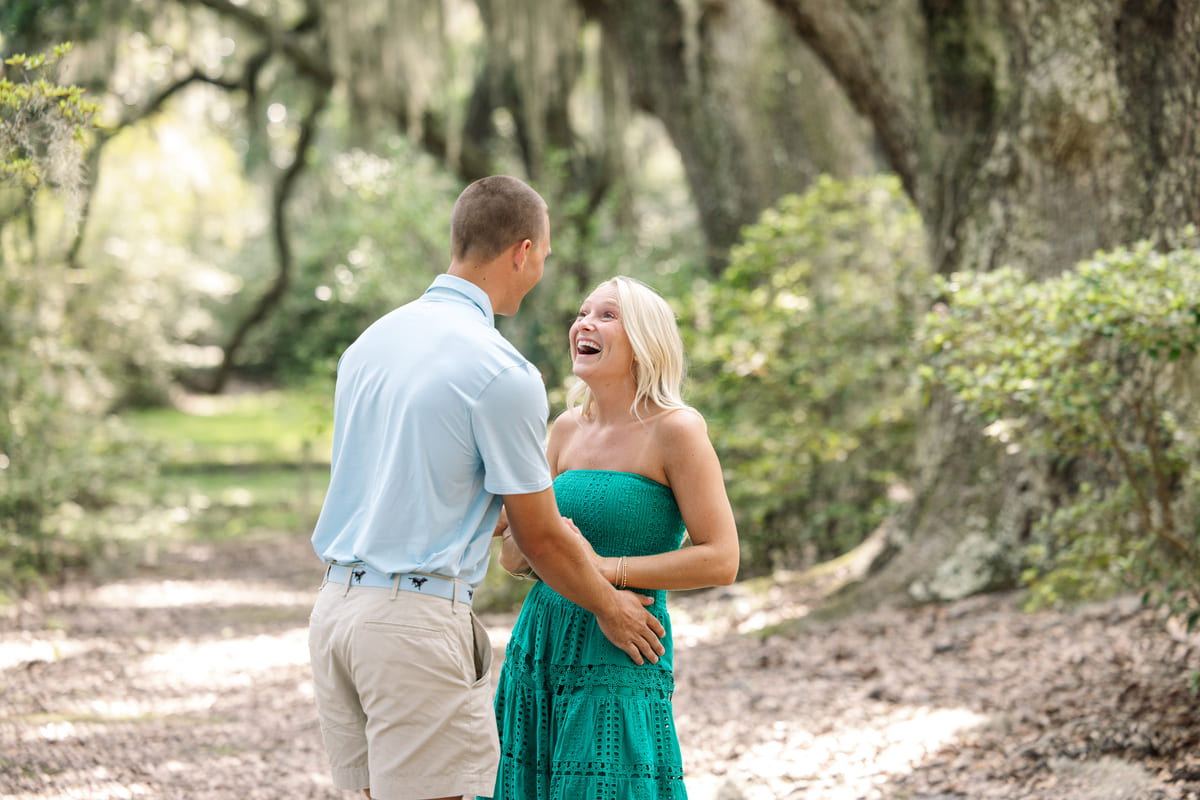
x,y
266,177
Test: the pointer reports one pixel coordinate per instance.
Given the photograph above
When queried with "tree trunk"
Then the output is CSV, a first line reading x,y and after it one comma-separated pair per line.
x,y
1028,133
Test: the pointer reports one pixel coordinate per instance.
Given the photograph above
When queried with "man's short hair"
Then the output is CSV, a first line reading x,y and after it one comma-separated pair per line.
x,y
493,214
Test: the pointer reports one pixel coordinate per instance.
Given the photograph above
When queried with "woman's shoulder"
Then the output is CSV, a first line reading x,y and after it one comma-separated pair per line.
x,y
679,424
568,420
561,431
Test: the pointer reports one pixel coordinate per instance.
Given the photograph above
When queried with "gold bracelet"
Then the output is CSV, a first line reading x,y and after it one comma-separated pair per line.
x,y
521,575
624,572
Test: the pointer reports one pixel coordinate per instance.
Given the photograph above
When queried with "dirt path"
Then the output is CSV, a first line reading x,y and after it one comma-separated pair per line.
x,y
190,680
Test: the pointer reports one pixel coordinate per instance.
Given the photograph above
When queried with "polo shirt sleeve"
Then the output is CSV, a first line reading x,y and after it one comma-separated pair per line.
x,y
509,422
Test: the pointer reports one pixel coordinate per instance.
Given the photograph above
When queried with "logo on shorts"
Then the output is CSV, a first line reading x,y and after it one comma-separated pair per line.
x,y
418,582
358,575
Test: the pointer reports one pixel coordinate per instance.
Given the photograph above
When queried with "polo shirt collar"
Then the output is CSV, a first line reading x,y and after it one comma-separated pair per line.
x,y
463,291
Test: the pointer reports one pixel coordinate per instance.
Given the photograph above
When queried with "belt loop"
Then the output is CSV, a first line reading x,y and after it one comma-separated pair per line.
x,y
454,598
396,586
349,575
325,578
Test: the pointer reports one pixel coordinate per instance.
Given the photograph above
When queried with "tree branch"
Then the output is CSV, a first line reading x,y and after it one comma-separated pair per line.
x,y
281,41
1122,453
840,38
274,295
247,82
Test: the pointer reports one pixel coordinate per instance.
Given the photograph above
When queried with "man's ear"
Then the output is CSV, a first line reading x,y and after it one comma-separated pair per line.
x,y
519,252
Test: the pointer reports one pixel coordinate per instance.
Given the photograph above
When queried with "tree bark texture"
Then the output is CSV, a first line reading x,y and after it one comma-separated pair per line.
x,y
1027,132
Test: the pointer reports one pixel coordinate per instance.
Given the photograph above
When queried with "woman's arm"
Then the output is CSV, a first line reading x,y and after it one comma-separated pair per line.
x,y
694,474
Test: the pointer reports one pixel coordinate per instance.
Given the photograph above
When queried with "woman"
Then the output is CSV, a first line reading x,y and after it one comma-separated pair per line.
x,y
633,469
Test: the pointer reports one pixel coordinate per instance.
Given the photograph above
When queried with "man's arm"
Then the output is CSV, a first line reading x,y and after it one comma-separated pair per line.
x,y
558,557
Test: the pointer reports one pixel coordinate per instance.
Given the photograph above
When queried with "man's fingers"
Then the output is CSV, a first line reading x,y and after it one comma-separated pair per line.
x,y
645,649
649,644
640,639
652,621
652,648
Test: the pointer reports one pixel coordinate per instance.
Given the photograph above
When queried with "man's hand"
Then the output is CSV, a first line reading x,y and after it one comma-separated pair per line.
x,y
634,629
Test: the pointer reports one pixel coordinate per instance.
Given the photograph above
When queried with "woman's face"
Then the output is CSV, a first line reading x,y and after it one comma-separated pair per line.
x,y
599,345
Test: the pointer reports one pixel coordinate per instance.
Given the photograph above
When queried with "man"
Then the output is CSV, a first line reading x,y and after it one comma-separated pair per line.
x,y
438,421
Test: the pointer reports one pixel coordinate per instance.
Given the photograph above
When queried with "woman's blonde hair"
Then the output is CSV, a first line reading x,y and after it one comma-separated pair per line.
x,y
653,332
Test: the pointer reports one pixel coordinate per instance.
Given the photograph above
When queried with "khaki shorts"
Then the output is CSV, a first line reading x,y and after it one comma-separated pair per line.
x,y
403,691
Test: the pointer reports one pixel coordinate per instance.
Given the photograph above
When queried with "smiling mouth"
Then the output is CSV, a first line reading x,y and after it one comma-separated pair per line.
x,y
586,348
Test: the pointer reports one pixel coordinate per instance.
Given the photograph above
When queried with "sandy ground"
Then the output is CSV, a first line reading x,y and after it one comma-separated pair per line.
x,y
190,680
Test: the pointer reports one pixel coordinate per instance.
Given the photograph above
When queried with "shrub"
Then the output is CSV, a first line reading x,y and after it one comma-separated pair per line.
x,y
1094,373
801,360
60,458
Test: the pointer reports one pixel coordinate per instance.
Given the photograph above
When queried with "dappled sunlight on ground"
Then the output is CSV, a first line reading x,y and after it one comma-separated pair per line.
x,y
26,648
193,681
178,594
777,735
788,760
223,664
706,619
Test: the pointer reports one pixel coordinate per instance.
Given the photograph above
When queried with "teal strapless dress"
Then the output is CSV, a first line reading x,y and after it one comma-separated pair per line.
x,y
578,720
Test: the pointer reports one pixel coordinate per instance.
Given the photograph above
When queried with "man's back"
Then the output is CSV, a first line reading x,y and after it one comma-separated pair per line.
x,y
433,415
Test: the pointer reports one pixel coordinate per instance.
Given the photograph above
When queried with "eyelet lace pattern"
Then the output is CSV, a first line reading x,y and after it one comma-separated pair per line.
x,y
577,718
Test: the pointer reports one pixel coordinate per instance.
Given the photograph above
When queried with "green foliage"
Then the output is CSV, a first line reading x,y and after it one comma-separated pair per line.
x,y
59,477
260,428
801,361
42,124
376,232
61,457
1093,372
172,221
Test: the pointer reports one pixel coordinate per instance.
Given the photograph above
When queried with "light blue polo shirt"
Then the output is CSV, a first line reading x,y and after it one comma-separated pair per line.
x,y
435,414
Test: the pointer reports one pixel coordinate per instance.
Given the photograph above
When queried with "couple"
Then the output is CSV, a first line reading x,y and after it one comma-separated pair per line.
x,y
440,444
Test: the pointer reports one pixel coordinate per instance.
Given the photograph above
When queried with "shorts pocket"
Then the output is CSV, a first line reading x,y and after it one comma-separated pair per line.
x,y
482,646
425,653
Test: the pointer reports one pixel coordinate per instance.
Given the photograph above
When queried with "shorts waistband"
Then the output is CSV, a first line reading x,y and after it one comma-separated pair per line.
x,y
420,582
